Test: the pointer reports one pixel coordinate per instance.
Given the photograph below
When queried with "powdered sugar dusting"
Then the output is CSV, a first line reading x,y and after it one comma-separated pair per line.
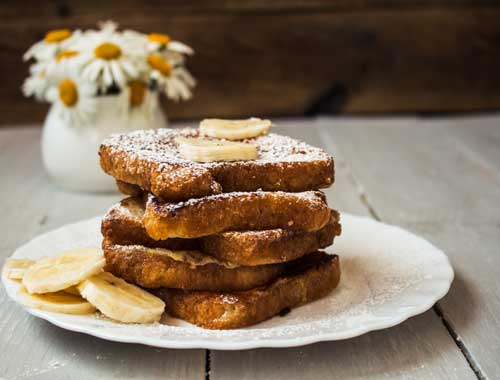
x,y
160,146
131,208
388,275
315,198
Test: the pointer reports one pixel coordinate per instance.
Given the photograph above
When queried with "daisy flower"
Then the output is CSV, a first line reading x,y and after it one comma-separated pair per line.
x,y
73,100
160,42
75,69
36,84
54,41
176,81
63,62
108,58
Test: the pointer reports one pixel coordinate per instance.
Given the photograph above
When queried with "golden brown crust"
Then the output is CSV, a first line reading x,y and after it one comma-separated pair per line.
x,y
150,159
122,225
170,181
312,279
129,189
151,268
260,210
269,246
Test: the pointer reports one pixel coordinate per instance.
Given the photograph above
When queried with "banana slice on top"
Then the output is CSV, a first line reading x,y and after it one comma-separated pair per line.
x,y
52,274
203,150
14,269
235,129
120,300
58,302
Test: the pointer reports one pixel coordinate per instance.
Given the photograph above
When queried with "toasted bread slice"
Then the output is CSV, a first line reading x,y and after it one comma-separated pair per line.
x,y
269,246
129,189
158,267
122,225
314,277
151,160
259,210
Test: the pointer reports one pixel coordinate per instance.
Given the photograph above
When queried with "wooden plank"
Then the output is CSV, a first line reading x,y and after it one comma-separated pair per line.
x,y
35,348
479,139
387,58
420,348
440,178
343,195
424,160
56,11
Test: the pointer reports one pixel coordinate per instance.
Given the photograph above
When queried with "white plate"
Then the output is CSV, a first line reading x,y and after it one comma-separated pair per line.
x,y
388,275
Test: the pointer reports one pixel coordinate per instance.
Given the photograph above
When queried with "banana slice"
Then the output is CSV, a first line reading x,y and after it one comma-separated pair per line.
x,y
56,273
202,150
14,269
120,300
59,302
234,129
72,290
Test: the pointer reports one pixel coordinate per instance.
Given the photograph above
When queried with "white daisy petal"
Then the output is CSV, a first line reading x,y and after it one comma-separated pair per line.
x,y
52,94
92,71
180,47
128,67
182,89
106,75
186,76
117,73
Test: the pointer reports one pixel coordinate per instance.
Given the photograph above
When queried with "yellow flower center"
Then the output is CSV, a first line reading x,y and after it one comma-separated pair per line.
x,y
108,51
57,35
158,63
68,93
137,91
66,54
159,38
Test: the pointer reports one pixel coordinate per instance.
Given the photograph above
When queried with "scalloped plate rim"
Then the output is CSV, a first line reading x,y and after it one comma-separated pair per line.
x,y
191,343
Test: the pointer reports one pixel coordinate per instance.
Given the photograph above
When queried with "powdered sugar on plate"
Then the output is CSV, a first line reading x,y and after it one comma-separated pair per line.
x,y
388,275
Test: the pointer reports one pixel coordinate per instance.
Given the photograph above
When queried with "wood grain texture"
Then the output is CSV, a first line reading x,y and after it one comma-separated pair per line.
x,y
56,9
441,178
32,348
420,173
260,59
420,348
417,349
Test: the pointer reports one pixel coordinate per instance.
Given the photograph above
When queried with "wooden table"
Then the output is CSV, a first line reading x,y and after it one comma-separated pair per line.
x,y
439,178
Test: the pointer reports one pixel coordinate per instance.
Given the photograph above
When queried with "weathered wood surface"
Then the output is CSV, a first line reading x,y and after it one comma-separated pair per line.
x,y
280,58
439,178
32,348
420,348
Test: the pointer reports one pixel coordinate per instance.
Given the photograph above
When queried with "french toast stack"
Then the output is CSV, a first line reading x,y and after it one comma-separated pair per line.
x,y
223,222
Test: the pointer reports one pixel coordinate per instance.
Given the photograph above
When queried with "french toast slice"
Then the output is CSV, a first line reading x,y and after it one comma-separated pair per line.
x,y
314,276
158,267
151,160
123,225
269,246
240,211
129,189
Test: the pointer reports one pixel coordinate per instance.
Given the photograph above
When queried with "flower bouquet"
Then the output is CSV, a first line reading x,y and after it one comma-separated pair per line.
x,y
99,82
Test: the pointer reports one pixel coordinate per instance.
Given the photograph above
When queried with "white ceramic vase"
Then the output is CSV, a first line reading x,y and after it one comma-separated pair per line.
x,y
70,152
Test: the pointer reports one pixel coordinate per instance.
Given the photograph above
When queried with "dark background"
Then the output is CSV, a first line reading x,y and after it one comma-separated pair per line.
x,y
296,57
